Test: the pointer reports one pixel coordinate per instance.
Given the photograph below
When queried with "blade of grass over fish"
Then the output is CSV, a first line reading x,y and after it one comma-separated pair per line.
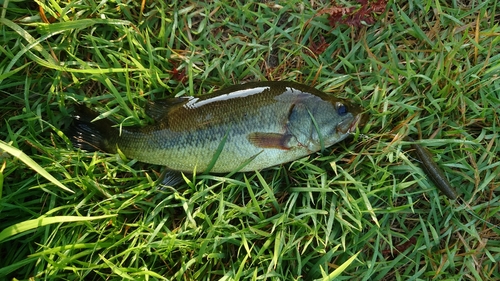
x,y
246,162
217,153
316,127
32,164
20,228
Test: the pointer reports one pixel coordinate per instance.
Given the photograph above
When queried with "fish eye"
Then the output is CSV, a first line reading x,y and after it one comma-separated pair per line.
x,y
341,109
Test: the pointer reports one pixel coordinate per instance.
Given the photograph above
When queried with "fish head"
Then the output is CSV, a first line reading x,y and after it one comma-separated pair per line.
x,y
340,121
348,116
325,122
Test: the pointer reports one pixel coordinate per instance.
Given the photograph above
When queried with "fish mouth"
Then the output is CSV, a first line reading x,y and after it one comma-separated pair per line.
x,y
349,127
354,124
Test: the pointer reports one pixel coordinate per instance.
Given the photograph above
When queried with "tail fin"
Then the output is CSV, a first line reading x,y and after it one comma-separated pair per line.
x,y
88,135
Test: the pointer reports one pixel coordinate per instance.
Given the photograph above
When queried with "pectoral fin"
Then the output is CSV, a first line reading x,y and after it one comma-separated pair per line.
x,y
271,140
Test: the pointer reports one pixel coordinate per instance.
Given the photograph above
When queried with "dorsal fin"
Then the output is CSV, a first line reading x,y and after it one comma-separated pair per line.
x,y
158,109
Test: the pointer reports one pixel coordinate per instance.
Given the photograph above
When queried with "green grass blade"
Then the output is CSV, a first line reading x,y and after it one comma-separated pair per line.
x,y
339,270
77,24
217,153
32,164
20,228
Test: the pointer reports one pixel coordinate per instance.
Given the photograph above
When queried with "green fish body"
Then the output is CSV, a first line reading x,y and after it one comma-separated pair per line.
x,y
247,127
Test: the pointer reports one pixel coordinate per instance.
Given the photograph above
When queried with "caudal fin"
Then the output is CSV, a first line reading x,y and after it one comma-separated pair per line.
x,y
87,135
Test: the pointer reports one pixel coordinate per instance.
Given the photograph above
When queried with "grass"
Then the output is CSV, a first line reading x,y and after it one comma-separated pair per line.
x,y
362,210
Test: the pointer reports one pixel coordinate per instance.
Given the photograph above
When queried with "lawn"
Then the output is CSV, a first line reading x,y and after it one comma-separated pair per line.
x,y
362,209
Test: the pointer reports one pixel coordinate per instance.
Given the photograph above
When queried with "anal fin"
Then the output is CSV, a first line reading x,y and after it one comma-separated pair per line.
x,y
169,178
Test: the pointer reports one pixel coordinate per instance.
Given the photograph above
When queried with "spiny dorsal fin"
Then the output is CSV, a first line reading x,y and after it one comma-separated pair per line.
x,y
158,109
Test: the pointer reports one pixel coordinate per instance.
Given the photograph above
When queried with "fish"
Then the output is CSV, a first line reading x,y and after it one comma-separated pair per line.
x,y
241,128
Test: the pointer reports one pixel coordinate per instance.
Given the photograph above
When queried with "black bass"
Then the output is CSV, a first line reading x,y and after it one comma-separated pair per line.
x,y
246,127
